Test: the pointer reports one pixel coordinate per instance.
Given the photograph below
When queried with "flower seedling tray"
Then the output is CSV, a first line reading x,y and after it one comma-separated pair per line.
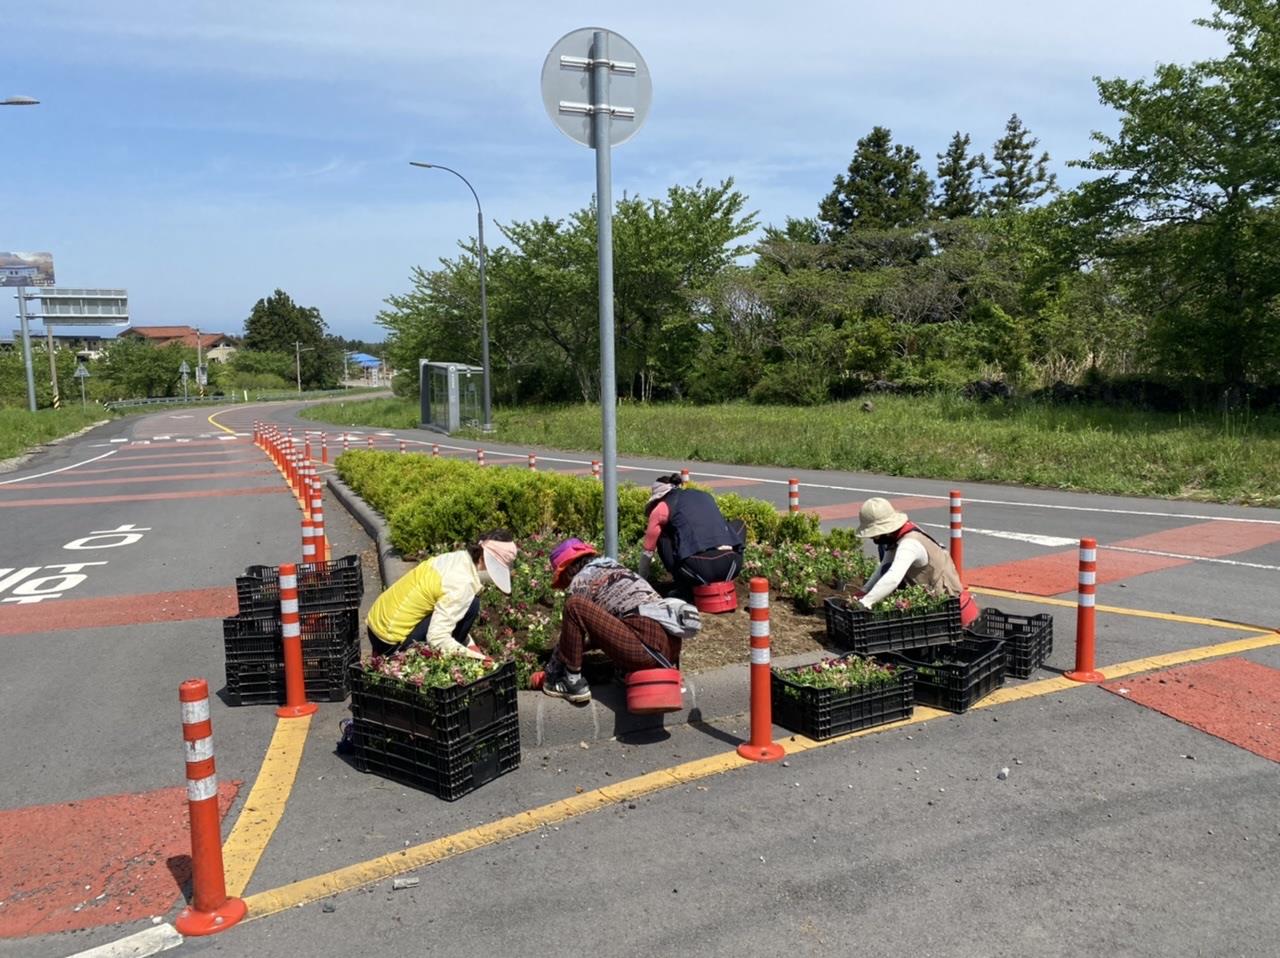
x,y
821,713
1028,639
322,586
954,677
448,770
854,629
434,714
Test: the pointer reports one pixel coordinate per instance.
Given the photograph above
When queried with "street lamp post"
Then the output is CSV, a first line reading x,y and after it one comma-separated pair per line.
x,y
297,360
487,425
22,301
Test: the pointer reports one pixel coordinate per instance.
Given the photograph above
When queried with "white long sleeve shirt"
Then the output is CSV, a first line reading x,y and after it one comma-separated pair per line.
x,y
906,554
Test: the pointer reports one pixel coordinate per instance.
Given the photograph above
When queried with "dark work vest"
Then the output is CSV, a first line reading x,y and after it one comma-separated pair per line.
x,y
695,523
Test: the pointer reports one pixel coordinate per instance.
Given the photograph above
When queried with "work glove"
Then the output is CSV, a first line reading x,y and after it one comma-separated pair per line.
x,y
646,563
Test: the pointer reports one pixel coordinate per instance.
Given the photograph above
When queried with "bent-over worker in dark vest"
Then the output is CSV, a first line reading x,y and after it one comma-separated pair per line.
x,y
693,540
909,556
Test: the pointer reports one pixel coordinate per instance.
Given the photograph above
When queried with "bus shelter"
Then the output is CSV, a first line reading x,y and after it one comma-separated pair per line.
x,y
450,395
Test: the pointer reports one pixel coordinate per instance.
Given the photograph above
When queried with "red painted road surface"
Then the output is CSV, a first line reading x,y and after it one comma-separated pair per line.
x,y
1232,699
1055,573
101,861
214,603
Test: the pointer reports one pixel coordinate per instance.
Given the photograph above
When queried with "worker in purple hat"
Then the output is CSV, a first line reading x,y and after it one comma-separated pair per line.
x,y
603,612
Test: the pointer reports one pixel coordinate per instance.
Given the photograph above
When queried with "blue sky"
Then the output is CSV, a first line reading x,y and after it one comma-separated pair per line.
x,y
203,154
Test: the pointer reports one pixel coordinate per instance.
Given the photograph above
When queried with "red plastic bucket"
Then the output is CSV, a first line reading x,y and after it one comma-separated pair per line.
x,y
716,597
654,690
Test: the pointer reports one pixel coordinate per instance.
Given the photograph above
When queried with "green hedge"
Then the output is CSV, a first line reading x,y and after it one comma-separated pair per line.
x,y
433,503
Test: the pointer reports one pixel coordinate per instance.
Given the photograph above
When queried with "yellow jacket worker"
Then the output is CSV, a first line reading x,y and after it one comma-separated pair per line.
x,y
438,600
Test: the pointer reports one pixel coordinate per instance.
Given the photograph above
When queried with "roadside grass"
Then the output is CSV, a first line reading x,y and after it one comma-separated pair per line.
x,y
22,430
1211,457
383,413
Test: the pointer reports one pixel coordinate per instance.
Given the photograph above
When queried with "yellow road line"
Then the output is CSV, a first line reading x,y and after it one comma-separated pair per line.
x,y
365,873
265,805
214,422
1117,610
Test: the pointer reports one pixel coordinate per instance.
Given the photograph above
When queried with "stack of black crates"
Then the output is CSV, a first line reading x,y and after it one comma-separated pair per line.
x,y
329,616
446,741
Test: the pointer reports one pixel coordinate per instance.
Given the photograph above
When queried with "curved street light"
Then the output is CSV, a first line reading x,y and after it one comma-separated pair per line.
x,y
19,101
487,425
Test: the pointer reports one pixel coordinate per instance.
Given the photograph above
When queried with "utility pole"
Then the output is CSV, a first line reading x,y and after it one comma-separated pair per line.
x,y
297,360
200,378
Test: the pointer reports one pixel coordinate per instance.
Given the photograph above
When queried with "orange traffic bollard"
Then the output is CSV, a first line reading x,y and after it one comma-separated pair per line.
x,y
370,442
533,462
324,448
1084,670
761,748
793,495
317,519
402,447
295,689
346,442
435,449
957,532
479,457
308,540
595,468
210,911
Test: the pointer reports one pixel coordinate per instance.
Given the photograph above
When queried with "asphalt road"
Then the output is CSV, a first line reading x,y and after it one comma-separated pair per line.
x,y
1104,836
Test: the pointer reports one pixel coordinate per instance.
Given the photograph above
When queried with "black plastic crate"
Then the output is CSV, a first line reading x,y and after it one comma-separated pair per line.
x,y
954,677
823,713
442,715
854,629
262,683
1028,639
448,770
322,586
254,637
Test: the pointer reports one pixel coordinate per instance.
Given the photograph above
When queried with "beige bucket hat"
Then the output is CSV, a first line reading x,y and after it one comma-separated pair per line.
x,y
877,517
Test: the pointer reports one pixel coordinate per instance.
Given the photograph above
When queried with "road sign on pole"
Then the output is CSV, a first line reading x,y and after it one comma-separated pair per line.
x,y
81,374
184,370
597,90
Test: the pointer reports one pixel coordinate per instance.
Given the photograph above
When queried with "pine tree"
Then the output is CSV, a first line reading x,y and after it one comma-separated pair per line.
x,y
1018,177
959,193
885,188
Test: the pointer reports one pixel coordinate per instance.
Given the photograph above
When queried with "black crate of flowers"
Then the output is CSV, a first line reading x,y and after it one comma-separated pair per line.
x,y
906,619
322,586
954,677
254,652
444,723
841,695
1028,639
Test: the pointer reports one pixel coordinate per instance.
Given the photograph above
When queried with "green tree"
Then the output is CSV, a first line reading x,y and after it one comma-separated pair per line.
x,y
884,188
959,192
1186,203
278,324
1018,177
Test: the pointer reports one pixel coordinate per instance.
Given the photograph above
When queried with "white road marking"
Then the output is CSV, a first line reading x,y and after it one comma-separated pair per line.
x,y
149,941
1179,555
161,437
1053,542
224,437
120,439
51,472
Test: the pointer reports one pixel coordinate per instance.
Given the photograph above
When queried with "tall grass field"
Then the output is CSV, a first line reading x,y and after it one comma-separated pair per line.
x,y
22,430
1229,457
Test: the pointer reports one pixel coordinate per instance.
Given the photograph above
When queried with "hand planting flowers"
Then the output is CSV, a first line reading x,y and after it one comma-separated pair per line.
x,y
913,599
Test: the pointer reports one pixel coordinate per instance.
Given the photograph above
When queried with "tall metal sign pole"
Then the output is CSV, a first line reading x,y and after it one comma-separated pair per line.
x,y
26,348
597,90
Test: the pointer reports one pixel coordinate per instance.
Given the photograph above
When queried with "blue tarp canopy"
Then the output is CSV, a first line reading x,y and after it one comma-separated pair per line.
x,y
364,359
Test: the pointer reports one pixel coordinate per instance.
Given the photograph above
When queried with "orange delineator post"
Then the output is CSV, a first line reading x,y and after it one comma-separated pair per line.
x,y
324,448
346,442
295,689
957,532
793,495
595,468
308,540
761,748
435,449
370,442
210,910
533,462
684,476
1084,670
402,447
317,518
306,448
